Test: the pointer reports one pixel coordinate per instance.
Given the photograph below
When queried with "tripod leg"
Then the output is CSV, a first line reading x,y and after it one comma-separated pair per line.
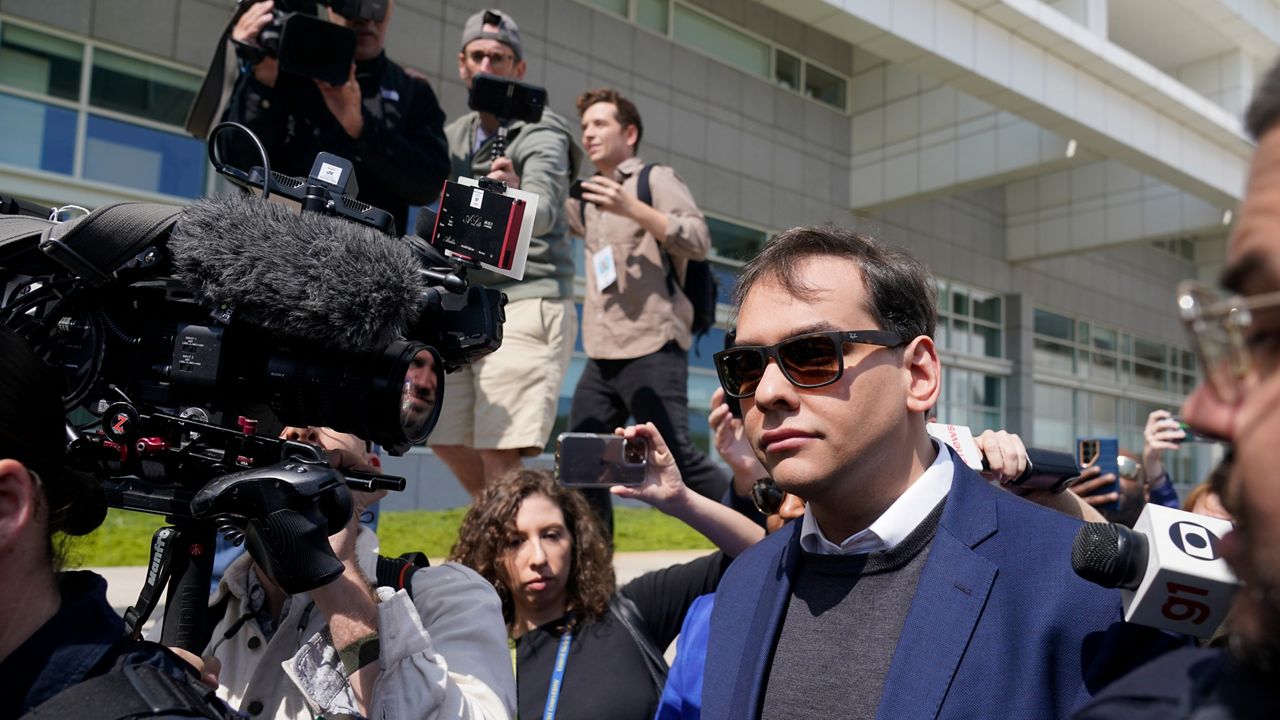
x,y
187,607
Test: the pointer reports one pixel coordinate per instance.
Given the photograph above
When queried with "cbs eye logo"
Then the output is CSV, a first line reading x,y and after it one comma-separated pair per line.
x,y
1195,540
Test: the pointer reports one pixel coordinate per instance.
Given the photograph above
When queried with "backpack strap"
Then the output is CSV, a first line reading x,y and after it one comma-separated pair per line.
x,y
629,615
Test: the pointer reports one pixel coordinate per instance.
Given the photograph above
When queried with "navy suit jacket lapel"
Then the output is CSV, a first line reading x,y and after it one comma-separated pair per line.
x,y
949,600
766,622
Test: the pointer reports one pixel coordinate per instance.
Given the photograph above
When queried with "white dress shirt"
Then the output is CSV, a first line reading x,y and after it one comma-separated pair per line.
x,y
895,523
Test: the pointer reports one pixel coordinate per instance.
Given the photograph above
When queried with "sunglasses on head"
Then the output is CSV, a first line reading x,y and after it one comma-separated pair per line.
x,y
767,496
807,361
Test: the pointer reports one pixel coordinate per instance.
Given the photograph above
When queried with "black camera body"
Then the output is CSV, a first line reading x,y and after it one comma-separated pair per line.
x,y
307,44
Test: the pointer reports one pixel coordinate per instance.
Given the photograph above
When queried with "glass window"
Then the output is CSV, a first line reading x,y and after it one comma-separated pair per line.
x,y
1148,351
1148,376
721,41
36,135
1054,325
992,391
727,276
1054,356
988,307
129,85
138,157
1103,367
40,63
1104,339
960,302
960,337
734,241
822,85
613,6
786,70
652,14
987,341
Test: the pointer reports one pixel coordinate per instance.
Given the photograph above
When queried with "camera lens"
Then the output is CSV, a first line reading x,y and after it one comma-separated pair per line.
x,y
391,398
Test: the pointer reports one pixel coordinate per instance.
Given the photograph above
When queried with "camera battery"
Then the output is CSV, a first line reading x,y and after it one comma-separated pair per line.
x,y
479,225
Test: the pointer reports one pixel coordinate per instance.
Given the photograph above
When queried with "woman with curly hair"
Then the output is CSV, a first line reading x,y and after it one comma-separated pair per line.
x,y
581,648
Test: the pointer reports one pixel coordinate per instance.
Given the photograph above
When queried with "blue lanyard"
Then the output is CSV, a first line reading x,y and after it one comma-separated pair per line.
x,y
557,677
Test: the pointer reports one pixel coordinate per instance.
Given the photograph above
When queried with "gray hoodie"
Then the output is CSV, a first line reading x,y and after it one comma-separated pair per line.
x,y
546,155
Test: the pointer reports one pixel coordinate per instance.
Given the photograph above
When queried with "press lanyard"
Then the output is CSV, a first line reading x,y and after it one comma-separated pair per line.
x,y
557,677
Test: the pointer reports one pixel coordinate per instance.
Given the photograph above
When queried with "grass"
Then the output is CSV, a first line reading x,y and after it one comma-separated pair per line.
x,y
125,537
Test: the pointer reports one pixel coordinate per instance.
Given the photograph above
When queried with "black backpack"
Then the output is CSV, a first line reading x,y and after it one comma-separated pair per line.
x,y
700,283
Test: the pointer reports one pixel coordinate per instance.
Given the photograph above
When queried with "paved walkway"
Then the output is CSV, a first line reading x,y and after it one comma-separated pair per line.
x,y
123,583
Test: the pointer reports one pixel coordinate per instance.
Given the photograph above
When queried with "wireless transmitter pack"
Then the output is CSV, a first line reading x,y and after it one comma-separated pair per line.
x,y
486,223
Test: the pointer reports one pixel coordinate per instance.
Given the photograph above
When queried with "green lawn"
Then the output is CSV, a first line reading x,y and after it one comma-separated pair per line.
x,y
125,537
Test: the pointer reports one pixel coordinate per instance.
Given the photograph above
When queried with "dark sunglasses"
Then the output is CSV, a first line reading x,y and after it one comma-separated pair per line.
x,y
767,496
807,361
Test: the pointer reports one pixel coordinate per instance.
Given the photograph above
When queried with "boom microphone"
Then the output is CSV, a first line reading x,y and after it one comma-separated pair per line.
x,y
1168,568
308,277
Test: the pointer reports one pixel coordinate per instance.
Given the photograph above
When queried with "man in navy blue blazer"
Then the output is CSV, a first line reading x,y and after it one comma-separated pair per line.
x,y
910,588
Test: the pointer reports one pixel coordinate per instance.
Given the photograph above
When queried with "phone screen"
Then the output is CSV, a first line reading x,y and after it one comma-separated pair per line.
x,y
590,460
1103,452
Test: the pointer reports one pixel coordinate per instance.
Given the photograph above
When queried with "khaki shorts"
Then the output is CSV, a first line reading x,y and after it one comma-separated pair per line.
x,y
508,398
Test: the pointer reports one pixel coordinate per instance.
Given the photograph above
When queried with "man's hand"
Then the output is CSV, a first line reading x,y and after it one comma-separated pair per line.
x,y
343,102
731,442
502,169
663,486
608,195
1092,480
206,667
1160,434
246,31
1005,454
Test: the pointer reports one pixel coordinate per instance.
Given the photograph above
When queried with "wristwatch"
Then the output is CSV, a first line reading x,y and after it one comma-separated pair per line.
x,y
360,653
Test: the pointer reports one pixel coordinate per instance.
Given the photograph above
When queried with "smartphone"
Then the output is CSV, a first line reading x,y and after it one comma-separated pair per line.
x,y
575,190
590,460
507,99
1104,453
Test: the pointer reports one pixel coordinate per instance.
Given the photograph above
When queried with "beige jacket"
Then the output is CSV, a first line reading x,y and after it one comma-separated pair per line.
x,y
638,313
444,652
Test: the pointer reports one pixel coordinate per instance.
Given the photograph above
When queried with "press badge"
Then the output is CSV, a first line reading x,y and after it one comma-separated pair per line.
x,y
606,271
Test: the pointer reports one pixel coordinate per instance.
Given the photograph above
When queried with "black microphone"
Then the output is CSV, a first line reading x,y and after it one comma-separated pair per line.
x,y
305,276
1168,568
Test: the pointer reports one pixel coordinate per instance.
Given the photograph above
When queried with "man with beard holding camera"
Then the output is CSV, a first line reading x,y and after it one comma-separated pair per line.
x,y
386,120
63,651
1238,342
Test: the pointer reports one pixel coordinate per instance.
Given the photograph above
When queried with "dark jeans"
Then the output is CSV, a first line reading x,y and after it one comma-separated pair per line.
x,y
652,388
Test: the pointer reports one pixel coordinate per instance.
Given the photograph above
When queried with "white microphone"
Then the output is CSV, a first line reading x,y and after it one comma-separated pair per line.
x,y
1168,567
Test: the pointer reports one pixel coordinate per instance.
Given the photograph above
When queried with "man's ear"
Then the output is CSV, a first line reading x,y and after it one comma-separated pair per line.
x,y
521,67
924,383
462,68
631,135
19,498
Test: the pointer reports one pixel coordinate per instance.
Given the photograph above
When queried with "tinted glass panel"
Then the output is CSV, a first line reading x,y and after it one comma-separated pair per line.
x,y
1054,356
40,63
988,341
136,87
1048,323
822,85
1149,351
143,158
987,308
615,6
652,14
786,70
721,41
36,135
733,241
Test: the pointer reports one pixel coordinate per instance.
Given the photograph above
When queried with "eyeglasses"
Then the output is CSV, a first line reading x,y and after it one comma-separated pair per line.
x,y
496,59
1217,328
807,361
767,496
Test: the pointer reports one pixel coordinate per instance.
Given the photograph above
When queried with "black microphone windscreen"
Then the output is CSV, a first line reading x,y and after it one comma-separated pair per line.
x,y
1095,554
310,277
1110,555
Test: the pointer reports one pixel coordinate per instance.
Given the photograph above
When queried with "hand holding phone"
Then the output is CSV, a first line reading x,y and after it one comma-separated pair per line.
x,y
591,460
1102,453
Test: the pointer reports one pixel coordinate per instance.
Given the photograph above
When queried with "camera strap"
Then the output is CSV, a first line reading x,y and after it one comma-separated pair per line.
x,y
215,90
105,240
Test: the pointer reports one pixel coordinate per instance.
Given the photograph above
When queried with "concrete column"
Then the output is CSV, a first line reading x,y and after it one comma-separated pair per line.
x,y
1019,395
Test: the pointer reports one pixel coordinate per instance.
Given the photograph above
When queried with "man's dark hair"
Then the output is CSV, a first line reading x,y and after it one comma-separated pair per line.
x,y
32,431
1264,108
902,295
627,113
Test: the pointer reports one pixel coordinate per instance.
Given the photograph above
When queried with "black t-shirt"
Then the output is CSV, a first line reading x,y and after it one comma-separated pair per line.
x,y
605,676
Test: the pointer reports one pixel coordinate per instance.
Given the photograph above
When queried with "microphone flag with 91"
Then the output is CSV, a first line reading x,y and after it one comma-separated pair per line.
x,y
1168,567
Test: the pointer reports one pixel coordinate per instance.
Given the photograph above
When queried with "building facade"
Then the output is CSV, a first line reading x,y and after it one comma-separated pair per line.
x,y
1060,166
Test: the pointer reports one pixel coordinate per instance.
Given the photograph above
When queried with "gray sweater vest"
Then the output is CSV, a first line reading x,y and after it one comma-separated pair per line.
x,y
841,628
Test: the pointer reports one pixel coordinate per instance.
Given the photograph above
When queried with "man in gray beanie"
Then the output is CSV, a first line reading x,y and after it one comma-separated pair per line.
x,y
503,406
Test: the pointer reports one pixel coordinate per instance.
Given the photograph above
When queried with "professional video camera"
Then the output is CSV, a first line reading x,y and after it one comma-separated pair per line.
x,y
307,44
179,332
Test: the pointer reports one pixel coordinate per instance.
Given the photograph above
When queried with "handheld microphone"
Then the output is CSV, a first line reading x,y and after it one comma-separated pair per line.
x,y
1046,469
1168,568
309,277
